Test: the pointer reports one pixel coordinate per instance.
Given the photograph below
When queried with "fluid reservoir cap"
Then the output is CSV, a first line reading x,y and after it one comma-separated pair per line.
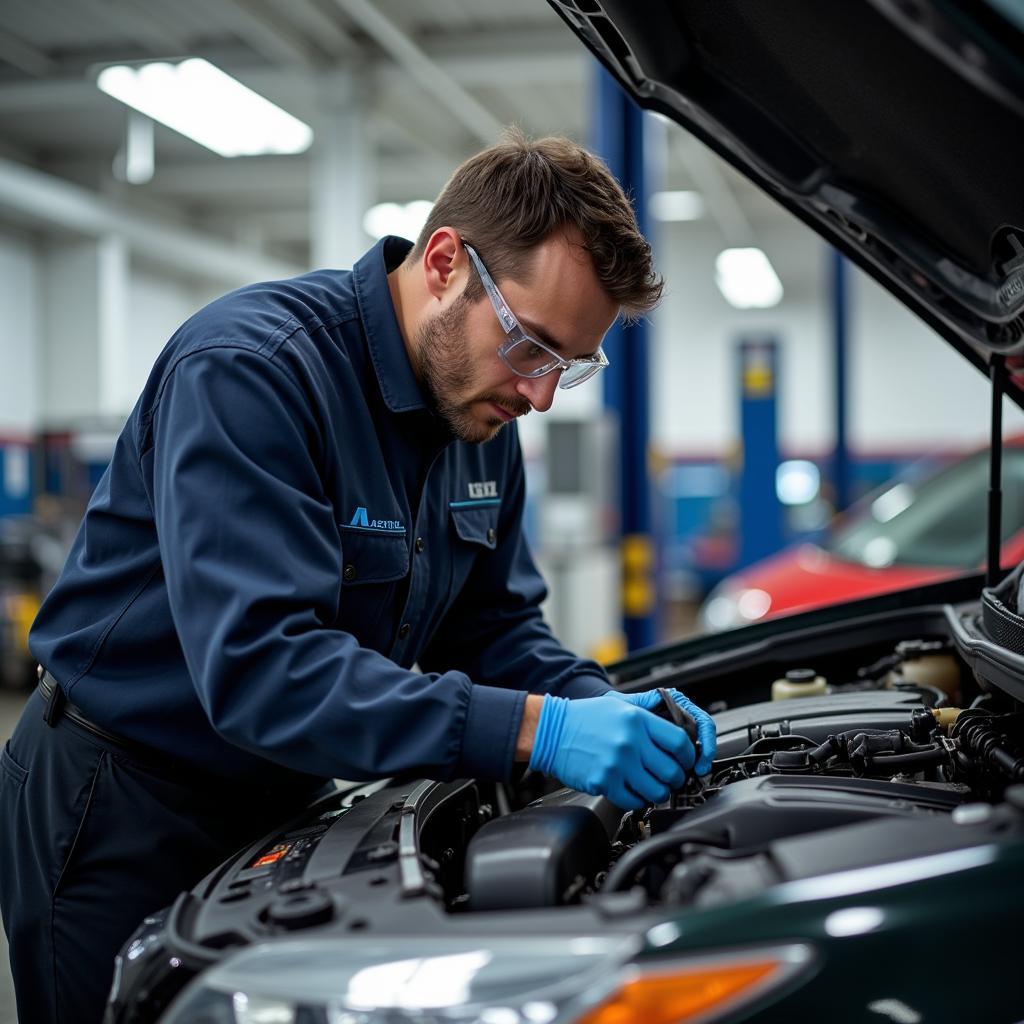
x,y
801,675
301,910
799,682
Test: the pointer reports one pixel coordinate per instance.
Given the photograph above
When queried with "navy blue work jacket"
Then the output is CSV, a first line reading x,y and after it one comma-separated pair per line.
x,y
285,529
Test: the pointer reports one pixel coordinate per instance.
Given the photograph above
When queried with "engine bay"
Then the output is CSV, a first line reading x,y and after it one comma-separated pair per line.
x,y
887,746
892,760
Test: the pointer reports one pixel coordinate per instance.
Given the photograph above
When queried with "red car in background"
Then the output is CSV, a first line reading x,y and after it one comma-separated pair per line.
x,y
917,529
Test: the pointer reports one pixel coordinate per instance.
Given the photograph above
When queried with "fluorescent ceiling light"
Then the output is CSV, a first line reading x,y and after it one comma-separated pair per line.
x,y
405,219
747,279
676,206
212,108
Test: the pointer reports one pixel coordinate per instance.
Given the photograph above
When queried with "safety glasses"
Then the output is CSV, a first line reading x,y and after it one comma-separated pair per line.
x,y
526,356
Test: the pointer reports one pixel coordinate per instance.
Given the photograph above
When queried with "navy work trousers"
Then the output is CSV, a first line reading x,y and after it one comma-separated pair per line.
x,y
92,839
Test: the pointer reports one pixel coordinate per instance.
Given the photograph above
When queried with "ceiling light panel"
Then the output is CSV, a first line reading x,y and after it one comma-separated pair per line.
x,y
208,106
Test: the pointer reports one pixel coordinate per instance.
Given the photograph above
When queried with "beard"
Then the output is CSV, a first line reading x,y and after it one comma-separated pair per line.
x,y
448,375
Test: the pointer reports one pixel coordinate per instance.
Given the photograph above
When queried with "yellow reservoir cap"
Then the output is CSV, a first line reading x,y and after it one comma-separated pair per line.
x,y
946,716
689,993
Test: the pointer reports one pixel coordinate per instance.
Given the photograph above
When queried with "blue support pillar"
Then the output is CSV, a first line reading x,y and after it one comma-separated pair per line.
x,y
841,477
618,138
760,509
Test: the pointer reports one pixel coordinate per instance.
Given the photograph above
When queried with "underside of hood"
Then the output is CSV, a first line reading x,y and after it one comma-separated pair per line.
x,y
893,128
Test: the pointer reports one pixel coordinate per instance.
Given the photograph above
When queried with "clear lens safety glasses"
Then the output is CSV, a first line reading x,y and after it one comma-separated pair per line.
x,y
525,355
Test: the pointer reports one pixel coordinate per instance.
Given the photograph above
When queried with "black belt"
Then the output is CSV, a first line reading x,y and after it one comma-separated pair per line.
x,y
58,706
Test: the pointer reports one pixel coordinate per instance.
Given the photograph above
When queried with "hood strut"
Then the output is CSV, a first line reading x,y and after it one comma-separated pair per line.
x,y
997,369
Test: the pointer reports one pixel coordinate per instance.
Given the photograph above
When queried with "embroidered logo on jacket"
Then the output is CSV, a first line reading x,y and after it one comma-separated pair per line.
x,y
483,489
362,520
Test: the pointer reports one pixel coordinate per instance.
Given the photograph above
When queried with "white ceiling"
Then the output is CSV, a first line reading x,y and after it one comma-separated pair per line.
x,y
437,79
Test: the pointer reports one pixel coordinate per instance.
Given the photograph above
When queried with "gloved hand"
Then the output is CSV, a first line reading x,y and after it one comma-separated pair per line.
x,y
706,733
611,747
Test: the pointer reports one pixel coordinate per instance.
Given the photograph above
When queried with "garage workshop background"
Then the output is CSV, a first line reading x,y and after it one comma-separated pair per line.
x,y
114,228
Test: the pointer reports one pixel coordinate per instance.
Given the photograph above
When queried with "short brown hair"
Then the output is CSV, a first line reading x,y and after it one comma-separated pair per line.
x,y
512,196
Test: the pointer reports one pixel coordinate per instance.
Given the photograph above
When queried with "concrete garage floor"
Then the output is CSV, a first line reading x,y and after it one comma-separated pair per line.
x,y
10,709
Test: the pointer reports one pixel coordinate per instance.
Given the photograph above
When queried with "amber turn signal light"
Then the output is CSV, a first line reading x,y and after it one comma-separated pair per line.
x,y
673,996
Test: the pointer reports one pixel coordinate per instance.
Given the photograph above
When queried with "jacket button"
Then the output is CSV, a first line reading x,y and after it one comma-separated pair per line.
x,y
419,545
405,630
490,536
349,573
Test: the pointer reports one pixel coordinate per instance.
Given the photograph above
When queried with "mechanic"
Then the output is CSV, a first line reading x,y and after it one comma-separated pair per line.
x,y
320,488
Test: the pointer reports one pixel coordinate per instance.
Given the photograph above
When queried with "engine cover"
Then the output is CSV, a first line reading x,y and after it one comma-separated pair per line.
x,y
755,811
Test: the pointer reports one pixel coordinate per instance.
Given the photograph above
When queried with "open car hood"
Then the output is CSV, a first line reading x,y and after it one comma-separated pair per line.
x,y
893,128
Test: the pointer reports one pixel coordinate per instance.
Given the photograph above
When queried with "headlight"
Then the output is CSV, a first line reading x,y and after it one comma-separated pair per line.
x,y
494,981
732,607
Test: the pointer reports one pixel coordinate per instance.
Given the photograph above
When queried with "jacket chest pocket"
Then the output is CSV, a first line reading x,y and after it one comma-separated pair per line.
x,y
476,532
374,564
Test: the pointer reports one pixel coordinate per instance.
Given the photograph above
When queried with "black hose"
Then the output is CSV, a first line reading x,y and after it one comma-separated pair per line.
x,y
981,738
983,735
1013,766
728,762
774,743
919,757
633,860
861,747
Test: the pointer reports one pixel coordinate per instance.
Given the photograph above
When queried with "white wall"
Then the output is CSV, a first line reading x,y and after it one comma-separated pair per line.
x,y
909,390
157,306
104,324
19,333
70,331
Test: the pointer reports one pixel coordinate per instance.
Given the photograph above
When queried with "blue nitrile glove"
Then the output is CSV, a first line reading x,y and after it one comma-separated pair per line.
x,y
609,747
706,733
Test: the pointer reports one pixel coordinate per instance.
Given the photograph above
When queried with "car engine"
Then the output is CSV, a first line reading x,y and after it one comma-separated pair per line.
x,y
882,766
